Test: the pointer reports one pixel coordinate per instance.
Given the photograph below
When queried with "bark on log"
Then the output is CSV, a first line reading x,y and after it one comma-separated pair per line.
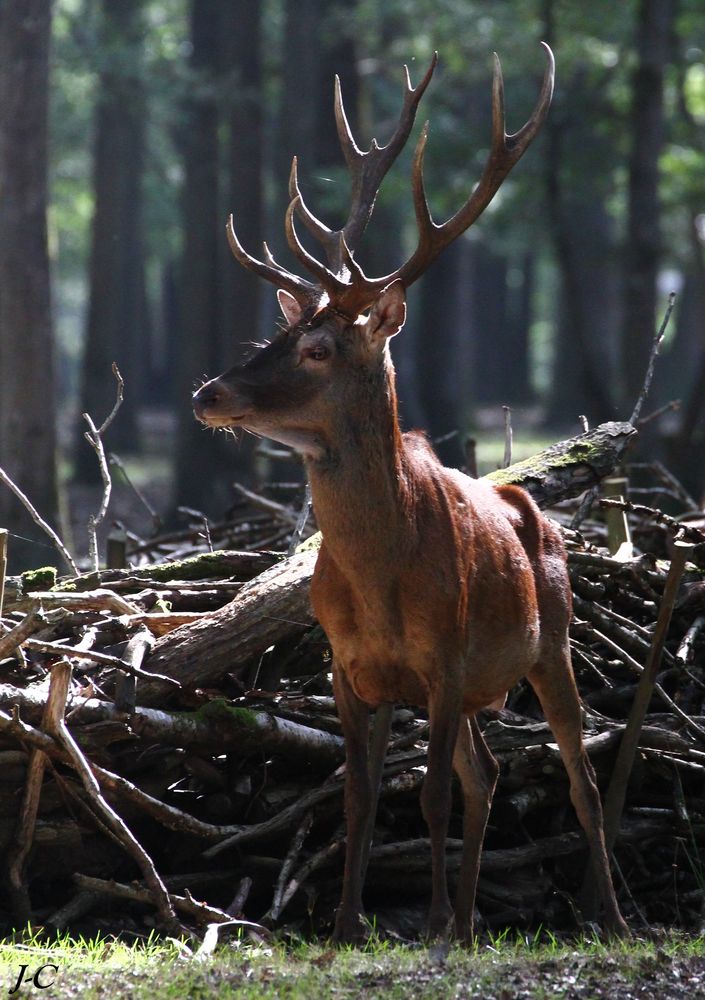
x,y
276,604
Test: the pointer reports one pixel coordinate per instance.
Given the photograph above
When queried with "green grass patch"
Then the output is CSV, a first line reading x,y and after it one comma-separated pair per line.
x,y
505,966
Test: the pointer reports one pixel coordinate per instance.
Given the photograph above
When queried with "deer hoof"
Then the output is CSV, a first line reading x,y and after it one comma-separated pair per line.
x,y
350,928
618,927
439,925
464,931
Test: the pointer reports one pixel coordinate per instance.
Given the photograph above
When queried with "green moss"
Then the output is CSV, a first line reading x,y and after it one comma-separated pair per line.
x,y
220,710
203,564
579,453
314,542
43,578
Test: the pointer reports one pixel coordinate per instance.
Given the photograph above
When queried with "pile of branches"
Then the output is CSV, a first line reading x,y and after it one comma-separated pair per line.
x,y
171,754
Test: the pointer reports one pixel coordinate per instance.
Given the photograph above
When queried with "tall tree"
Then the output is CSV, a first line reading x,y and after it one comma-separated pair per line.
x,y
242,69
439,383
576,149
27,419
643,249
222,147
199,482
115,329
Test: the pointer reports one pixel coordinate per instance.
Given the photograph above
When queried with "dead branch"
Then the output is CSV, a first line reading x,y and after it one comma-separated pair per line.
x,y
38,519
616,793
94,436
56,727
655,347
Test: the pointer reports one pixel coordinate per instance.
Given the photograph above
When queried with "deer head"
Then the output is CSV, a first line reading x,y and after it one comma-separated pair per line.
x,y
294,388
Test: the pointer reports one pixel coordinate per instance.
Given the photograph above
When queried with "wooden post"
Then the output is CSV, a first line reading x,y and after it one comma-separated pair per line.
x,y
116,549
619,539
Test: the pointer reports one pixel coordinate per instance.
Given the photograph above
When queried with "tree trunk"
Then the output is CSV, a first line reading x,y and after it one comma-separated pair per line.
x,y
298,114
242,64
27,418
491,318
582,365
685,449
438,333
115,329
201,480
580,231
643,230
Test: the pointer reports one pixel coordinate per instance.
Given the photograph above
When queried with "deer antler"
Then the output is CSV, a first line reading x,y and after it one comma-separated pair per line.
x,y
349,290
367,171
304,291
505,151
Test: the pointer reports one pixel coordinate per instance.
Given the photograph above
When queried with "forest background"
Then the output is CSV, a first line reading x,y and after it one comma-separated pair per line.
x,y
130,129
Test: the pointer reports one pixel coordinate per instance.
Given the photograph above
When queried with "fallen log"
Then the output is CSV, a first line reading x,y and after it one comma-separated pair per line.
x,y
275,604
217,726
567,468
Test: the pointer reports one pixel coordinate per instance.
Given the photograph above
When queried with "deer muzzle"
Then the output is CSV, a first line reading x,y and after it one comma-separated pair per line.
x,y
216,405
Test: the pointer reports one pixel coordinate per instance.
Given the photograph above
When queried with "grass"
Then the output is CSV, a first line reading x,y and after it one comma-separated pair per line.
x,y
507,966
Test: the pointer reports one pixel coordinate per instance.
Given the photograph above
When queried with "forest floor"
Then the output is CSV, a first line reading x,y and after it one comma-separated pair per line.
x,y
502,970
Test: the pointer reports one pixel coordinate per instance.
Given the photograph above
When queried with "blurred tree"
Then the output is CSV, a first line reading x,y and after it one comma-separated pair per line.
x,y
684,365
221,140
27,418
200,482
578,147
116,326
241,30
644,247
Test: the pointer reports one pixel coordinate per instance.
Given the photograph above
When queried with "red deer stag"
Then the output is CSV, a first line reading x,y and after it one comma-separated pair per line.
x,y
433,589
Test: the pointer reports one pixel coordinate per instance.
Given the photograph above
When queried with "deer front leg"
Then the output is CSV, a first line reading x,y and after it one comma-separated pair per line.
x,y
354,719
444,719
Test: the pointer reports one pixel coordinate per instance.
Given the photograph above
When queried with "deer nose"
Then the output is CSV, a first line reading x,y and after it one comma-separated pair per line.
x,y
207,397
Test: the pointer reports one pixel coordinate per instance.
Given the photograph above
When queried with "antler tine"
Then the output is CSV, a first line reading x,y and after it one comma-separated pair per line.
x,y
526,134
302,290
505,151
351,151
367,169
329,240
328,280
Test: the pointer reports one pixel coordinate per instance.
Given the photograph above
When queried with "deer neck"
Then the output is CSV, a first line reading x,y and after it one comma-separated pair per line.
x,y
359,488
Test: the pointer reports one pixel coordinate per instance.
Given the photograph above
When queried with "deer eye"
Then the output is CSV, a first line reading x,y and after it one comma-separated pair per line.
x,y
318,353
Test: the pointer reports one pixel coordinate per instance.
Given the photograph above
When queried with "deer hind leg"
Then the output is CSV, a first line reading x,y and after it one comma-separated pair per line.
x,y
478,771
444,719
553,681
354,719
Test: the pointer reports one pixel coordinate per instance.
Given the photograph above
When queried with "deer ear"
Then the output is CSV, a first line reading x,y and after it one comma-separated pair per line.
x,y
290,306
388,313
